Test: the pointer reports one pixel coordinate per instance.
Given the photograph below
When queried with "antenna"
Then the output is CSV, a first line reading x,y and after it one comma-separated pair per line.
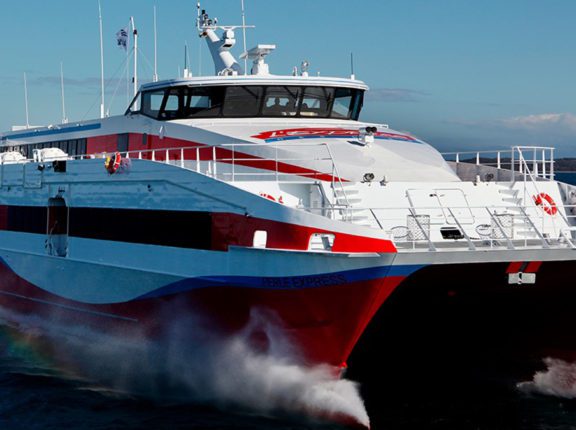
x,y
224,61
101,62
155,77
26,100
244,37
352,75
187,72
64,118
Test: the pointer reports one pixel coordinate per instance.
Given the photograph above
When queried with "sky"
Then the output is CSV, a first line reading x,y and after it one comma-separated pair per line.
x,y
460,74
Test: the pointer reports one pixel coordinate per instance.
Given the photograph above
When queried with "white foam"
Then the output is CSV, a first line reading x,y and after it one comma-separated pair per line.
x,y
191,365
559,379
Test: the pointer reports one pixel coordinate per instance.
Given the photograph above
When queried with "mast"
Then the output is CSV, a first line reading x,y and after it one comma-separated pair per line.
x,y
26,101
244,37
64,118
155,77
101,62
135,34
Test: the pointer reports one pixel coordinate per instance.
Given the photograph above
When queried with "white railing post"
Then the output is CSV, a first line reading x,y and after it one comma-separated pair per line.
x,y
551,164
544,163
233,161
153,155
198,159
167,159
182,157
214,161
513,163
498,165
457,157
139,155
478,158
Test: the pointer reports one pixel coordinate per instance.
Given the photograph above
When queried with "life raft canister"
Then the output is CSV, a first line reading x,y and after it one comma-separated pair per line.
x,y
113,162
546,202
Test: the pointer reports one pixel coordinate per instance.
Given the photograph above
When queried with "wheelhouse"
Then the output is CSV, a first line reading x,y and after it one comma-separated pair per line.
x,y
243,101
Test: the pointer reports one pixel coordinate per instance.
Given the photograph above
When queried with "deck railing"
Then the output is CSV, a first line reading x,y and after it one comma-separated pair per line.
x,y
537,160
509,227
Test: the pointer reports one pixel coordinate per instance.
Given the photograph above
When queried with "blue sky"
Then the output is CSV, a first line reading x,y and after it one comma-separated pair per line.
x,y
461,74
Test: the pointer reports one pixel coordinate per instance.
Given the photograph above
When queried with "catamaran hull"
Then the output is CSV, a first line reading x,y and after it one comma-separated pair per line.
x,y
466,316
320,316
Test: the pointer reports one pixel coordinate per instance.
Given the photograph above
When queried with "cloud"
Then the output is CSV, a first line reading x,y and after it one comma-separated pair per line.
x,y
547,129
394,95
557,121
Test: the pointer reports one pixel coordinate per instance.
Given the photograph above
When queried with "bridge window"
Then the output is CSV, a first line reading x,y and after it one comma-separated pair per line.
x,y
342,105
316,101
242,101
281,101
152,102
203,102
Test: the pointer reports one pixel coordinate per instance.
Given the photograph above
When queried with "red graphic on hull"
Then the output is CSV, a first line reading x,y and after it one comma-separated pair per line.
x,y
301,133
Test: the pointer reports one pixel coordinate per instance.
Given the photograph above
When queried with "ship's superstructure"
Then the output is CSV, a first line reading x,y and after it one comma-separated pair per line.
x,y
242,193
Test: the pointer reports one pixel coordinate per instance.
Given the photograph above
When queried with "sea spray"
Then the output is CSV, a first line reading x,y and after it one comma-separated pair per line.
x,y
559,379
189,364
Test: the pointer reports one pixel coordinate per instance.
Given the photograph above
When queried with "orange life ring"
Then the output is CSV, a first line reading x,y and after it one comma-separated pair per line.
x,y
549,207
113,162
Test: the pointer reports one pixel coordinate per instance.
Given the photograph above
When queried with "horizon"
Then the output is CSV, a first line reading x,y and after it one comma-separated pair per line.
x,y
459,76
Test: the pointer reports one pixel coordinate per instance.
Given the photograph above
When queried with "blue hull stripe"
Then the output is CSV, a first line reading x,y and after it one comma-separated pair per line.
x,y
53,131
284,283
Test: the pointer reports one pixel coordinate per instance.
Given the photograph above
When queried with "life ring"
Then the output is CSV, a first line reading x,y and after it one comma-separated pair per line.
x,y
113,162
549,207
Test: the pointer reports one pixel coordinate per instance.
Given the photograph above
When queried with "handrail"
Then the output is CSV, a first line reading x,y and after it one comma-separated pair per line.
x,y
545,243
543,165
337,175
431,246
509,243
471,245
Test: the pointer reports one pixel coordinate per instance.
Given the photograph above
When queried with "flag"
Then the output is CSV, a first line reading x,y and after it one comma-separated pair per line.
x,y
122,38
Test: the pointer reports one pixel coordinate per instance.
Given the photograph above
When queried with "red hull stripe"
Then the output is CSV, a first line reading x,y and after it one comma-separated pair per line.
x,y
514,267
324,323
139,142
524,267
533,267
233,229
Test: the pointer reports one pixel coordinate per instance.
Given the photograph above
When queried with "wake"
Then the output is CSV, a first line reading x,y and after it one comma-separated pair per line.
x,y
559,380
189,365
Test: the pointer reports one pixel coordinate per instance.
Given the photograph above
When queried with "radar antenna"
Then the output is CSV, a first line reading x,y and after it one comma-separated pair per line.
x,y
224,61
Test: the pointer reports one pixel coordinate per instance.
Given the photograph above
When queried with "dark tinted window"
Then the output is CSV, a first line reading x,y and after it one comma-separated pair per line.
x,y
151,103
251,101
316,101
281,101
342,105
357,105
242,101
171,104
203,102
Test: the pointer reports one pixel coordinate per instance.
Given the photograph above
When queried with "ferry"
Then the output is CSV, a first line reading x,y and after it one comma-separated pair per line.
x,y
248,196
